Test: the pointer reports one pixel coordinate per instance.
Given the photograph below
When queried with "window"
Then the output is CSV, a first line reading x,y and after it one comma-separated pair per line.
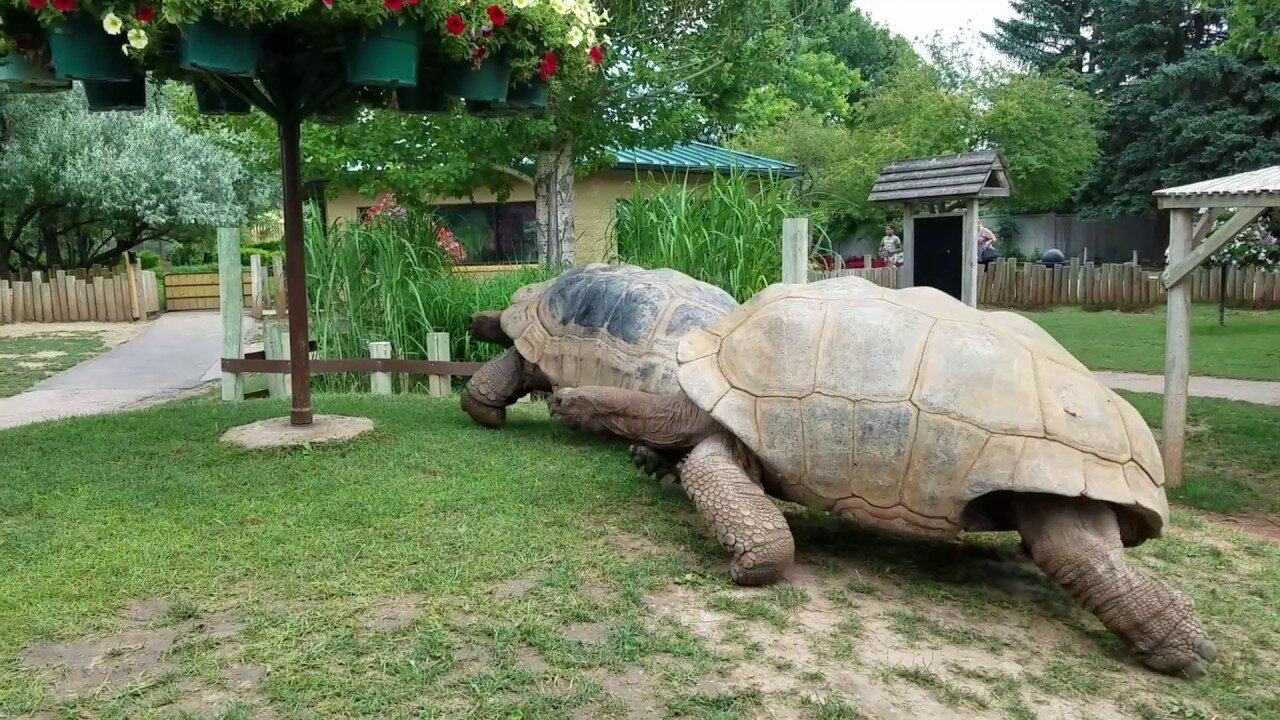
x,y
494,234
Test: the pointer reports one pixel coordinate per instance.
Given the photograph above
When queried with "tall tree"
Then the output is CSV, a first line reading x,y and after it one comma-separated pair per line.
x,y
1050,34
1138,37
1255,28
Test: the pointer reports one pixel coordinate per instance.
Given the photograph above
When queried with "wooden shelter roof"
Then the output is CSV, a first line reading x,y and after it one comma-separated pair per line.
x,y
1258,188
976,175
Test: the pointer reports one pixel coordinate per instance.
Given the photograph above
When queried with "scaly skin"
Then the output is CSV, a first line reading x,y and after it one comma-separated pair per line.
x,y
659,421
744,519
497,386
1076,541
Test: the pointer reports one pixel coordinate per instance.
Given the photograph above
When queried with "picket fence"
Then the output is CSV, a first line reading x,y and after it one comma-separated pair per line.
x,y
121,294
1013,284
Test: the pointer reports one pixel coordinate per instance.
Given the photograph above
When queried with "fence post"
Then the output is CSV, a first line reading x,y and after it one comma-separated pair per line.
x,y
380,382
231,305
277,267
256,286
438,351
135,306
275,342
795,251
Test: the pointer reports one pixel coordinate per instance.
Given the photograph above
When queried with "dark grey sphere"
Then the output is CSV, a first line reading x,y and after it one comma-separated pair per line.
x,y
1053,257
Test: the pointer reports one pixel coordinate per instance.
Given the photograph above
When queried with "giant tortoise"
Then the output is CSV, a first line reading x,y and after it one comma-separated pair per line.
x,y
910,412
615,325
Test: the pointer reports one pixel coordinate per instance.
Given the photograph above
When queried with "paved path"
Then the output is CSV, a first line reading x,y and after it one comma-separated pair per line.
x,y
1254,391
177,354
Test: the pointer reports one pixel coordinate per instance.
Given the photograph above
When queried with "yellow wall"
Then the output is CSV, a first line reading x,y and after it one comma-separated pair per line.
x,y
595,207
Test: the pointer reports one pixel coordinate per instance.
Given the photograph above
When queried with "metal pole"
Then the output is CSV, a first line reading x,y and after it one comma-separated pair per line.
x,y
295,269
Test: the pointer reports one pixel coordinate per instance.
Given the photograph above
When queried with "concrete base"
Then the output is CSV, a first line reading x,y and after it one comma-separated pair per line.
x,y
278,433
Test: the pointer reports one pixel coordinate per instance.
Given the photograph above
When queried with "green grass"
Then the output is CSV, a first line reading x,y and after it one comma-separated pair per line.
x,y
505,543
25,361
1233,454
1247,348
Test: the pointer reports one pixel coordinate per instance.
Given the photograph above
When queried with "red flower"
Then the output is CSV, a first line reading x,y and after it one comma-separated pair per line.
x,y
145,13
394,5
64,6
597,54
550,65
412,2
455,25
497,16
37,4
327,3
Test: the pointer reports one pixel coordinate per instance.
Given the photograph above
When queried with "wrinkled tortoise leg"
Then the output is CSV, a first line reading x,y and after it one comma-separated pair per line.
x,y
744,519
487,327
658,421
1077,542
497,386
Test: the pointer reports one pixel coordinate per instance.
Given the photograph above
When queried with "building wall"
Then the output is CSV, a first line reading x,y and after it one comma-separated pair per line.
x,y
595,208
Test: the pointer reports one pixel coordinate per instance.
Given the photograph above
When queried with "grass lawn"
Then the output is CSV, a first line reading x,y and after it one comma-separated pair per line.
x,y
434,569
1247,348
25,361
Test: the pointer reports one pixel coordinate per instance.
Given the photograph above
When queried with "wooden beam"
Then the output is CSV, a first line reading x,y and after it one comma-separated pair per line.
x,y
231,305
1177,357
795,251
1205,224
907,275
1237,200
1178,270
969,259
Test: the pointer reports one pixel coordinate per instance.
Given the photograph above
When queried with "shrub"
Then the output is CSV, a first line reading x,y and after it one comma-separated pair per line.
x,y
266,255
149,260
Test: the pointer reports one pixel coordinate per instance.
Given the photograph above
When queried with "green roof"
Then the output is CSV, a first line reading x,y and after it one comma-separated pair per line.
x,y
699,157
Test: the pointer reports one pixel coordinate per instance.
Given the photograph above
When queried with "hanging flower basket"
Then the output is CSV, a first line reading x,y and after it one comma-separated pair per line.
x,y
387,57
82,51
214,99
23,73
213,47
486,83
103,95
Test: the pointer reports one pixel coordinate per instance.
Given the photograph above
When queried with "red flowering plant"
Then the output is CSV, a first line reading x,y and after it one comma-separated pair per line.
x,y
539,38
134,23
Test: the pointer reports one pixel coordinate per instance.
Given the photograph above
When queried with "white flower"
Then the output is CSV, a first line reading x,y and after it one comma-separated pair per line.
x,y
138,38
591,38
112,24
522,4
575,36
606,40
583,14
125,49
561,6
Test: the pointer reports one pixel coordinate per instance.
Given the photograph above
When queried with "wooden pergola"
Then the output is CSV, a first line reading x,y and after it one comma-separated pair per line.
x,y
1194,210
944,186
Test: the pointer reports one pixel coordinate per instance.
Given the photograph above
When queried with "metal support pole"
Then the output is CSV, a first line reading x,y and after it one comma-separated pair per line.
x,y
295,269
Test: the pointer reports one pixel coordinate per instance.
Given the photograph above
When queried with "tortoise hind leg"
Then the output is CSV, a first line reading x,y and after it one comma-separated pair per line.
x,y
734,503
1077,542
498,385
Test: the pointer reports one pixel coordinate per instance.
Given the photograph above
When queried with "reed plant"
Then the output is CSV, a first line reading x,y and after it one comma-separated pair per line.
x,y
727,232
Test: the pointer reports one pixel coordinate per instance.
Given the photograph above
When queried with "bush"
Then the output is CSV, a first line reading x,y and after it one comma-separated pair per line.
x,y
149,260
266,255
727,233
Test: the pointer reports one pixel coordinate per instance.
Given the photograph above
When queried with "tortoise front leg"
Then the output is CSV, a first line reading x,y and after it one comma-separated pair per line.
x,y
487,327
498,385
1077,542
659,421
744,519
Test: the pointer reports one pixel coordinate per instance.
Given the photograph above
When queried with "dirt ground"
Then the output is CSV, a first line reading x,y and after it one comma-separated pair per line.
x,y
112,334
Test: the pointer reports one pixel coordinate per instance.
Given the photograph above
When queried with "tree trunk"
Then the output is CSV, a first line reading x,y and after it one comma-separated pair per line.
x,y
49,240
554,193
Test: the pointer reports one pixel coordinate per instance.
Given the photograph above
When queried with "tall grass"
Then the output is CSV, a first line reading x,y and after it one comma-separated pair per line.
x,y
727,232
390,282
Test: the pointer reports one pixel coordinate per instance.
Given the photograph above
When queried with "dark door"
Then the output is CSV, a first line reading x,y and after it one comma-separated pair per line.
x,y
939,247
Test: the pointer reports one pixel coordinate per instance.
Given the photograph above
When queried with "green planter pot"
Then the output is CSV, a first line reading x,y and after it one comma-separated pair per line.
x,y
485,84
387,57
213,47
213,99
22,74
104,95
82,51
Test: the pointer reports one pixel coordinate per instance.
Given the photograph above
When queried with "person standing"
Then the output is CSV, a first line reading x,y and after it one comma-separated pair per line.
x,y
891,247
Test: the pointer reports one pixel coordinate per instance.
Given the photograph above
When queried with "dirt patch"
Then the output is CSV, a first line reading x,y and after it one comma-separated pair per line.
x,y
112,334
1261,526
141,613
47,354
530,660
390,614
82,668
636,690
589,633
31,365
221,627
471,659
514,588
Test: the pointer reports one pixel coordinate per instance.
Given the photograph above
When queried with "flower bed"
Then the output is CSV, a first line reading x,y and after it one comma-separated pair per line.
x,y
481,52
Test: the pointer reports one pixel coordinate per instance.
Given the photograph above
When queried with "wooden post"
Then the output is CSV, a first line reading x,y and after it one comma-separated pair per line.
x,y
969,261
907,275
277,267
135,307
1177,359
275,343
231,305
438,350
257,291
795,253
380,382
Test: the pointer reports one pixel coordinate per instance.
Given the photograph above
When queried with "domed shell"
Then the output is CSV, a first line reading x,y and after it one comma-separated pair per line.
x,y
910,411
614,325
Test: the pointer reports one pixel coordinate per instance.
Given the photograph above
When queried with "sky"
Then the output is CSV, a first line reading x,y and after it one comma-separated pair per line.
x,y
917,20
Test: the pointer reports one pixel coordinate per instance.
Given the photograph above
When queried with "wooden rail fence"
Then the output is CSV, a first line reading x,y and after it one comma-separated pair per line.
x,y
122,294
200,291
1009,283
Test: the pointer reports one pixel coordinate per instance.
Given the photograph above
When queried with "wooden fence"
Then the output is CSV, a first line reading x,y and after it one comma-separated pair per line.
x,y
200,291
120,294
1009,283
